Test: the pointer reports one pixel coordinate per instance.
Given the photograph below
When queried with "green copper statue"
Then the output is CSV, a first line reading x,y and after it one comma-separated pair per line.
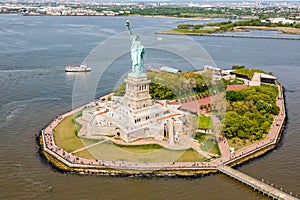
x,y
137,54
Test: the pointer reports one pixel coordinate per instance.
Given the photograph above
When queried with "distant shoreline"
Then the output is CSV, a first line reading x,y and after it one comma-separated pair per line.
x,y
130,15
229,35
169,17
284,30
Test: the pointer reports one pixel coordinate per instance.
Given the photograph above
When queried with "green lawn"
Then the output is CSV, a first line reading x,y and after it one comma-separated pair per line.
x,y
204,122
208,143
236,81
65,134
191,31
141,153
140,148
248,72
190,155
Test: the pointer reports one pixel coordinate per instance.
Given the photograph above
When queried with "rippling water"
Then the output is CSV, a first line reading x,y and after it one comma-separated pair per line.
x,y
34,89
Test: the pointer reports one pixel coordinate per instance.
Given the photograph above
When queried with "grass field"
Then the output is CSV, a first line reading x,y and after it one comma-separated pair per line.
x,y
142,153
190,155
65,134
191,31
204,122
248,72
140,148
208,142
236,81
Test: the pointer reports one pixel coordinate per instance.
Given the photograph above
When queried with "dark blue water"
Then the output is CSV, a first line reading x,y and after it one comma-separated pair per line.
x,y
34,89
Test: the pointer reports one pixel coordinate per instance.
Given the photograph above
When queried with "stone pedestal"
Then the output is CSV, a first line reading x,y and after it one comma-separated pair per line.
x,y
137,95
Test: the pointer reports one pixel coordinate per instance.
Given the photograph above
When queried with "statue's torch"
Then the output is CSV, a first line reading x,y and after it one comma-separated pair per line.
x,y
128,23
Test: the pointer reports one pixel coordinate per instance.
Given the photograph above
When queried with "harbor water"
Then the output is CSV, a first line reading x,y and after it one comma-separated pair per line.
x,y
34,89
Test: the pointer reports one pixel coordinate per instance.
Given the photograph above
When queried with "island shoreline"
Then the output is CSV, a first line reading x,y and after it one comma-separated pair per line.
x,y
230,35
63,168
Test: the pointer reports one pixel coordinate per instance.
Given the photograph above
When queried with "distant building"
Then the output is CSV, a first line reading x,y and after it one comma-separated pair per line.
x,y
256,79
218,73
278,20
214,70
267,78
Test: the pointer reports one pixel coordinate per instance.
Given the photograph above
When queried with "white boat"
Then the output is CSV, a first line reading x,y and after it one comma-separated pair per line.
x,y
77,68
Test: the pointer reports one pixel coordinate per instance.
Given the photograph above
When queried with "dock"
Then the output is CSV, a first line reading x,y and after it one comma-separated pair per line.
x,y
257,185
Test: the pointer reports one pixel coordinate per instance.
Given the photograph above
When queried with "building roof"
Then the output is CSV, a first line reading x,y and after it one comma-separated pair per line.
x,y
268,76
170,70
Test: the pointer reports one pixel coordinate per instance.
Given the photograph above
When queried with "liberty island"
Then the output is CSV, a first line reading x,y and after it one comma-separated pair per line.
x,y
134,120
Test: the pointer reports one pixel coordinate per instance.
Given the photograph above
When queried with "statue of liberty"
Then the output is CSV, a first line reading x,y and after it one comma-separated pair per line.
x,y
137,54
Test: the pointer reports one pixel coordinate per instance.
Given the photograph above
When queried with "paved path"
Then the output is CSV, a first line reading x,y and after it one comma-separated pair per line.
x,y
194,105
83,130
87,147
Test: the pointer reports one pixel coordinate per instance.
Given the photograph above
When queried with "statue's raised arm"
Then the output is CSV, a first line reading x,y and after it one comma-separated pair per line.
x,y
137,54
128,27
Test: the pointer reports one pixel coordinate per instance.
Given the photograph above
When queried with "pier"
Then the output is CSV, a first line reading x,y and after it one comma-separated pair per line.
x,y
257,185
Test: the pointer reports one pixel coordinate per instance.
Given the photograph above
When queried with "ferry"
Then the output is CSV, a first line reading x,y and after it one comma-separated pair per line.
x,y
77,68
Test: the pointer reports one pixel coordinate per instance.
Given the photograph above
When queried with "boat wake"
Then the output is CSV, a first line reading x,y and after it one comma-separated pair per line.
x,y
12,110
23,70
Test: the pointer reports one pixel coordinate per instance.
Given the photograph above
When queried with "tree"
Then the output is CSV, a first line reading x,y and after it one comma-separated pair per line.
x,y
160,92
238,66
250,112
120,91
234,96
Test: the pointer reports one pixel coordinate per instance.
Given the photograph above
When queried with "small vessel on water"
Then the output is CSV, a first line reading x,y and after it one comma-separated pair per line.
x,y
77,68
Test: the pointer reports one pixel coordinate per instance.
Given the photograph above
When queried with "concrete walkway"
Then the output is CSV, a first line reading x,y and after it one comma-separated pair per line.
x,y
87,147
